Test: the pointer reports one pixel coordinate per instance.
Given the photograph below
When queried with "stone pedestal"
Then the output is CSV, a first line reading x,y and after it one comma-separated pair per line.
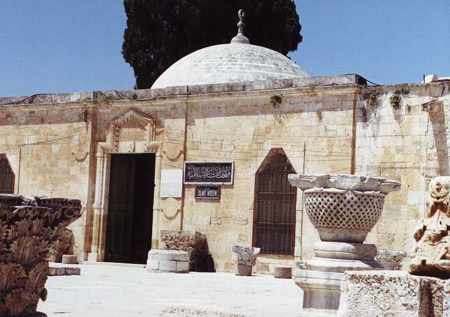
x,y
393,293
322,276
343,209
169,261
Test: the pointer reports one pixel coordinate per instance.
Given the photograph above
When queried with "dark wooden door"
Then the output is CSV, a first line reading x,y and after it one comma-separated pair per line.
x,y
275,206
128,234
6,176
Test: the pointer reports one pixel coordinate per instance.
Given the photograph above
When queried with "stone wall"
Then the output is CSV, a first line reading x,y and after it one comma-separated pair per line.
x,y
406,142
244,129
337,127
49,156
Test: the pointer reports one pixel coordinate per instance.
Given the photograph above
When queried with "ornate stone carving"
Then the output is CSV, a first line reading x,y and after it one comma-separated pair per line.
x,y
343,209
246,255
354,212
63,244
432,252
27,228
246,258
133,119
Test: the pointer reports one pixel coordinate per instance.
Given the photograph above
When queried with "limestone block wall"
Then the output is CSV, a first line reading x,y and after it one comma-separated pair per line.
x,y
323,127
49,157
306,124
408,142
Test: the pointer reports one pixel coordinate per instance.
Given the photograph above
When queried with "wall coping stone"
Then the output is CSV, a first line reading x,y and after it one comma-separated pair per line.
x,y
148,94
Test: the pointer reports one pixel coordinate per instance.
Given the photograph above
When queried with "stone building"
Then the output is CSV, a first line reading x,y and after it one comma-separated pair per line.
x,y
238,118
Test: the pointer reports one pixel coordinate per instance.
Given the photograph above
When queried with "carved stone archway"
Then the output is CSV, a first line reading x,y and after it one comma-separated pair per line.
x,y
132,132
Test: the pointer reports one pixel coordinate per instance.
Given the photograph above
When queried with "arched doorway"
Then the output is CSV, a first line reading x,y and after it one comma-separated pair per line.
x,y
6,176
275,205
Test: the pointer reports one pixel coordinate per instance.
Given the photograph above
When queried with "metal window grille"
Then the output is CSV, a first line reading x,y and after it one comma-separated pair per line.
x,y
275,206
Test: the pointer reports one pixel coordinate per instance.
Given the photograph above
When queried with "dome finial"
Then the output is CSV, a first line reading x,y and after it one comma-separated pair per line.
x,y
240,37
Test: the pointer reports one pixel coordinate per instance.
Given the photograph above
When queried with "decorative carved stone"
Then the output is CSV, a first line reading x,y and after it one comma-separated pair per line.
x,y
133,119
350,215
432,252
246,255
345,182
63,244
246,258
195,244
343,209
27,229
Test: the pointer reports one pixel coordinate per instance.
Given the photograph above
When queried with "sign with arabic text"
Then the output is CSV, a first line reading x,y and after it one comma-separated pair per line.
x,y
208,173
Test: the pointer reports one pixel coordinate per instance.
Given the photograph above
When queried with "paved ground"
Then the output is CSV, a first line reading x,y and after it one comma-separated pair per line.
x,y
129,291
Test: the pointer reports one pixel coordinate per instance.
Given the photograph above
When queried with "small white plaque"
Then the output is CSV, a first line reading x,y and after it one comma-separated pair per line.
x,y
171,183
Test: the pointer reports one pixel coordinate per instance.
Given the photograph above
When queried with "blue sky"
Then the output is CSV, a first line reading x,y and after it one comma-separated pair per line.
x,y
66,46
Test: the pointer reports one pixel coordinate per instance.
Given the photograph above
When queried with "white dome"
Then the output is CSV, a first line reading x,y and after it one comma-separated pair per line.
x,y
229,63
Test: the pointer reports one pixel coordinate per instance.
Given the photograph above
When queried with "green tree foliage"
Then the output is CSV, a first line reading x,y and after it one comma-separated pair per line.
x,y
160,32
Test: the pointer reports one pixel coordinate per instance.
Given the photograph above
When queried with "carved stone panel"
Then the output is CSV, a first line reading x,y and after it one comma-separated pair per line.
x,y
132,132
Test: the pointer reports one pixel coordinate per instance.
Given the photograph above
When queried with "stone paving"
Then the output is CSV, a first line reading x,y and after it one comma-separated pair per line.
x,y
128,290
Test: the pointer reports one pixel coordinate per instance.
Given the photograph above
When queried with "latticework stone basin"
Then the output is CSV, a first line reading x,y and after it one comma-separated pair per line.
x,y
27,228
343,216
343,208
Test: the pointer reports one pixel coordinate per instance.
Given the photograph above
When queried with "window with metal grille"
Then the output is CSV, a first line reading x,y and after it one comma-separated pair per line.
x,y
6,176
275,205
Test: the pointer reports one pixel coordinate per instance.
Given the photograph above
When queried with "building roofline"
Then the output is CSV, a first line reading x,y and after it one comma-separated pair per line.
x,y
145,94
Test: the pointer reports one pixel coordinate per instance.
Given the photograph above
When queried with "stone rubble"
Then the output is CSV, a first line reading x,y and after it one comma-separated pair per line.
x,y
393,293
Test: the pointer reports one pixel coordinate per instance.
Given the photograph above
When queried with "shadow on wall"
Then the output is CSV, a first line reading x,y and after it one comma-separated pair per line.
x,y
7,176
437,118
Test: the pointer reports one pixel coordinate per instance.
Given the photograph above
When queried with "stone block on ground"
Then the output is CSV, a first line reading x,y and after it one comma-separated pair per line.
x,y
393,293
194,243
282,272
69,259
58,269
169,261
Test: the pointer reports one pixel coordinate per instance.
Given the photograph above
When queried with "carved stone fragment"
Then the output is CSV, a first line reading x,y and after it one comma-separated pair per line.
x,y
63,244
28,227
246,258
246,255
432,252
